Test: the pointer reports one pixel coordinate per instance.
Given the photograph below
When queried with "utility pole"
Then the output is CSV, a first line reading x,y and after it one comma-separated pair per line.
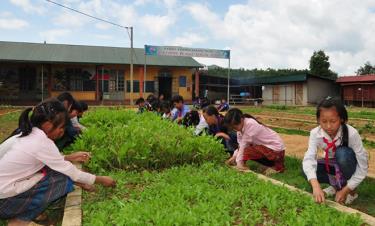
x,y
131,66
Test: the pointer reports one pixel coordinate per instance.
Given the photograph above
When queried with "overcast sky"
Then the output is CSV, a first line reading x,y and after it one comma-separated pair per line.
x,y
259,33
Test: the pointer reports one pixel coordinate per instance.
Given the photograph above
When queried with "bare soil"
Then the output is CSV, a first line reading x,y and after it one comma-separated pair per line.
x,y
305,122
7,111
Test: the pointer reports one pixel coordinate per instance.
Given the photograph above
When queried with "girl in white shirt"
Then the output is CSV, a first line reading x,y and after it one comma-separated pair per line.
x,y
345,162
33,173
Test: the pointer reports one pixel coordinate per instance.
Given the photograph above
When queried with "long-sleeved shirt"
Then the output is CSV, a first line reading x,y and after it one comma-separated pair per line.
x,y
76,123
176,113
202,125
317,146
20,166
253,133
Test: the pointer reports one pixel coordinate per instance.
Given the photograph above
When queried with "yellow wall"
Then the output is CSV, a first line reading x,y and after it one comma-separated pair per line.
x,y
152,75
78,95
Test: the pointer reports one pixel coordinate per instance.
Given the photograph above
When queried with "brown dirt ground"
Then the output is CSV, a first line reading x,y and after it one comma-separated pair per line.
x,y
300,123
5,111
296,146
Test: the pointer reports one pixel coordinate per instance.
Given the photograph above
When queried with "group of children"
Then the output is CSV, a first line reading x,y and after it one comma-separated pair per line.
x,y
344,162
34,173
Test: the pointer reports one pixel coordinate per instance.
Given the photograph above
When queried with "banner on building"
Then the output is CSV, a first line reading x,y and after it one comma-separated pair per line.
x,y
185,52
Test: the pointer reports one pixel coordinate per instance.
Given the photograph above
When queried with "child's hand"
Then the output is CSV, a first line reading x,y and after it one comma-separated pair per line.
x,y
318,195
105,181
80,156
342,194
223,135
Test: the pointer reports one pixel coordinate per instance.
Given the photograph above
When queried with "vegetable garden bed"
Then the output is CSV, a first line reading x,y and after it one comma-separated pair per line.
x,y
204,195
149,156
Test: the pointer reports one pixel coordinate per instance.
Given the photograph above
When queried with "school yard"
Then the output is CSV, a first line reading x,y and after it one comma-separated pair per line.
x,y
293,123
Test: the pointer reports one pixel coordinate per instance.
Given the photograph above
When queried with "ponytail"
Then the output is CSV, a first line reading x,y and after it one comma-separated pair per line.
x,y
51,110
345,135
24,123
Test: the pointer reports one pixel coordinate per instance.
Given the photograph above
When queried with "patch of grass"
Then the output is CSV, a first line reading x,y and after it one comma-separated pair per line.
x,y
8,123
368,113
291,131
293,175
367,128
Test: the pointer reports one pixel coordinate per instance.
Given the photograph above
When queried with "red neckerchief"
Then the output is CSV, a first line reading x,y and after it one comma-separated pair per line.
x,y
330,145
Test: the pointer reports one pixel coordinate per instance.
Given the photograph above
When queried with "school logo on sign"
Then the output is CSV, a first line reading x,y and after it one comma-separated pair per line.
x,y
186,52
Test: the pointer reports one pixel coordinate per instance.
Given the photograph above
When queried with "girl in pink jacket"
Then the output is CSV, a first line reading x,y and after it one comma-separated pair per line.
x,y
256,142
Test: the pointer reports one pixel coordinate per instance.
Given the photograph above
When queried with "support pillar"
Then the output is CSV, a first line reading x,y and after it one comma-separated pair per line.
x,y
196,83
141,79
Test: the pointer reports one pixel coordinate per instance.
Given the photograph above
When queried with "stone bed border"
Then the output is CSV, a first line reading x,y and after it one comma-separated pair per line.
x,y
73,208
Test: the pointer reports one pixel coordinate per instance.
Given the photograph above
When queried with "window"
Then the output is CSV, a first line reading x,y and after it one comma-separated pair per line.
x,y
27,78
116,80
182,81
120,80
73,79
135,86
150,86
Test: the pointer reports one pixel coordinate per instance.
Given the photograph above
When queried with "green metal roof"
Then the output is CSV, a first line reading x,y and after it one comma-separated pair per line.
x,y
60,53
270,79
281,79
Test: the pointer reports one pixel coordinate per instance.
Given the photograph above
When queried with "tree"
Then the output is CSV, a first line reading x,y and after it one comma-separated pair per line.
x,y
367,69
319,65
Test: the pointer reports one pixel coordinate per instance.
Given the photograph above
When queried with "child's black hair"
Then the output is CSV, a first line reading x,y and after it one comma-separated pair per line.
x,y
84,106
153,102
191,119
234,116
165,105
177,99
66,96
211,110
139,100
330,102
76,106
51,110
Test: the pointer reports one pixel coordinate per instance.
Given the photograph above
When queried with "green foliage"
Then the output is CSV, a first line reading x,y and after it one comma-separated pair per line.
x,y
319,65
250,73
294,176
204,195
367,128
121,139
367,69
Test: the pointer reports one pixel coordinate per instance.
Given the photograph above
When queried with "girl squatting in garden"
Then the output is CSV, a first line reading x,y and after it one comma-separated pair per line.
x,y
217,128
345,162
33,173
256,142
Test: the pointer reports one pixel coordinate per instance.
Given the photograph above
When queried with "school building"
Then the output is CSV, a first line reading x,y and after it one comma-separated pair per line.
x,y
358,90
301,89
92,73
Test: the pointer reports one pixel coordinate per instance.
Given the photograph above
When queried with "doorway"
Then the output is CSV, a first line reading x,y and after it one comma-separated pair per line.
x,y
165,87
